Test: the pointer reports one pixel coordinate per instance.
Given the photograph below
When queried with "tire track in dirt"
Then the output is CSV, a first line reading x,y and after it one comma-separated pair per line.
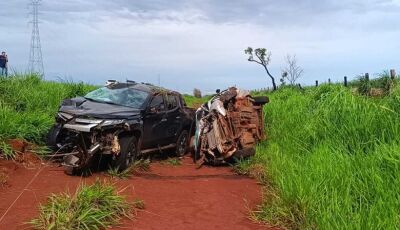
x,y
176,197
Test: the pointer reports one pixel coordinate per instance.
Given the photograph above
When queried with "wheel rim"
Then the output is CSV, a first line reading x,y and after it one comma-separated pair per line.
x,y
182,144
130,155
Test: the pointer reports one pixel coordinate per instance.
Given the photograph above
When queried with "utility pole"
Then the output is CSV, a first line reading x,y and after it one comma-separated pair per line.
x,y
35,55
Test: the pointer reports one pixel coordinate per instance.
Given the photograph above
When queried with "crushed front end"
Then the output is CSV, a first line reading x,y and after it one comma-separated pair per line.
x,y
229,126
81,132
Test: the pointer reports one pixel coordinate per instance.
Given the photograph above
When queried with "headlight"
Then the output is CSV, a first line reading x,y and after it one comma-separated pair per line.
x,y
65,116
112,122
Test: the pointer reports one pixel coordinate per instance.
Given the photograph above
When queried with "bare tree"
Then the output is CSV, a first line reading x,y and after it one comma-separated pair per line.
x,y
263,58
292,71
196,93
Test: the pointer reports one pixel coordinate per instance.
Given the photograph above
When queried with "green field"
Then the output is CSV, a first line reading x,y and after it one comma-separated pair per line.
x,y
331,161
28,105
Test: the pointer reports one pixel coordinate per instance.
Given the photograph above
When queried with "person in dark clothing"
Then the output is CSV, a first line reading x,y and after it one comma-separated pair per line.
x,y
4,63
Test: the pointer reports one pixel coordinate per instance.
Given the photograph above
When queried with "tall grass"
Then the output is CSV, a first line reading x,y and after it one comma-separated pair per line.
x,y
28,105
332,159
195,102
382,82
93,207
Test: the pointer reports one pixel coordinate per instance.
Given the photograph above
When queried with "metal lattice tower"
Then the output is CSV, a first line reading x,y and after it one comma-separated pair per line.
x,y
35,56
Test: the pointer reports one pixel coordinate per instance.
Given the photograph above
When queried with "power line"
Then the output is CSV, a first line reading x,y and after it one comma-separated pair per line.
x,y
35,55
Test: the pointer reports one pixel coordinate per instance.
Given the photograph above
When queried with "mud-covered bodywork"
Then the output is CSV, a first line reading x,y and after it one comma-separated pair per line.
x,y
121,120
228,126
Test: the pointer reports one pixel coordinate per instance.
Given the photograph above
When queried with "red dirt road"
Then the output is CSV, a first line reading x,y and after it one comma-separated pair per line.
x,y
176,197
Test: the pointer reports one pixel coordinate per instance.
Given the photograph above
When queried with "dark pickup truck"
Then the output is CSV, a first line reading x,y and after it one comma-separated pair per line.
x,y
121,120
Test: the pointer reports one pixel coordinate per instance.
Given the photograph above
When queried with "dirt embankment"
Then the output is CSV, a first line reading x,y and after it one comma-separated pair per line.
x,y
176,197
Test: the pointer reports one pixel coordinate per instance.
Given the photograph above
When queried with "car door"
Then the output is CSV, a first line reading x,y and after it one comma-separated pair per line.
x,y
155,123
174,118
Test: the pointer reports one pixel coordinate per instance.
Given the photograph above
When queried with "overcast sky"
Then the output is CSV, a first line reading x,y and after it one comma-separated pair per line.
x,y
201,43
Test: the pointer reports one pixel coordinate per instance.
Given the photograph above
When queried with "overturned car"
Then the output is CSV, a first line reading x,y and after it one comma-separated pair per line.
x,y
122,121
228,126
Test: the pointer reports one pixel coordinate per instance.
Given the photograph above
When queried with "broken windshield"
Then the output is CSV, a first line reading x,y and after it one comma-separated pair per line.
x,y
119,96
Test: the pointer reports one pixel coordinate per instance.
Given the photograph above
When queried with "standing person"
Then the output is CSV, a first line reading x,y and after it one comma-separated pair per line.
x,y
4,63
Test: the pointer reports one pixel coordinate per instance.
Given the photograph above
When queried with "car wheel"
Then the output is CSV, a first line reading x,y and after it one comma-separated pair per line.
x,y
53,137
261,100
182,143
127,154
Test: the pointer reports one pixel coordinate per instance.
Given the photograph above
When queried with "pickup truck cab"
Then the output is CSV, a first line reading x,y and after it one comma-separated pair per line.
x,y
123,120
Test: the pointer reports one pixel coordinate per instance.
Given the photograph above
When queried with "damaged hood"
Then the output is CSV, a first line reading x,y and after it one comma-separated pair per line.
x,y
81,106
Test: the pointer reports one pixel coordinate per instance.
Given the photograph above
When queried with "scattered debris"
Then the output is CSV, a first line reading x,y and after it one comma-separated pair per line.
x,y
3,179
228,126
138,204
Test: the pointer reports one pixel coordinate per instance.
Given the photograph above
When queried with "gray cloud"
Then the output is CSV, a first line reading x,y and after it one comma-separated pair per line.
x,y
263,12
201,42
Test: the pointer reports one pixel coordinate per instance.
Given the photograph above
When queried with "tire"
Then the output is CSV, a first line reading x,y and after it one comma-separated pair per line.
x,y
182,143
53,137
128,153
261,100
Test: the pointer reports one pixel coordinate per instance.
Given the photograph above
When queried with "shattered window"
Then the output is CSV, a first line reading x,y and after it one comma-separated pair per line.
x,y
119,96
158,103
172,102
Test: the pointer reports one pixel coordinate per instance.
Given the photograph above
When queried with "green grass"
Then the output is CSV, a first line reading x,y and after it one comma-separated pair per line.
x,y
382,81
28,105
172,162
253,168
137,167
195,102
332,160
95,206
6,150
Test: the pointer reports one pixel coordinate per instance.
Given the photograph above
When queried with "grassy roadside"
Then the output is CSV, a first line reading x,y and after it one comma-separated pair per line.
x,y
28,105
332,160
195,102
95,206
